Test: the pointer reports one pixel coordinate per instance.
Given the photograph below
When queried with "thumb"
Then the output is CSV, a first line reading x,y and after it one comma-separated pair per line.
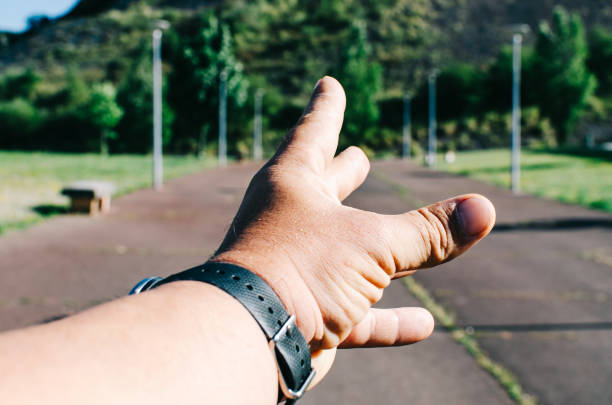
x,y
439,232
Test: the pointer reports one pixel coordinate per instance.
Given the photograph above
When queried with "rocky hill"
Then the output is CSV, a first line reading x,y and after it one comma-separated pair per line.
x,y
98,33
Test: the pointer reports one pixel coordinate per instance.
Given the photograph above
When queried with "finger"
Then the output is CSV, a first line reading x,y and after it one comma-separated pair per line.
x,y
321,361
347,171
390,327
315,137
437,233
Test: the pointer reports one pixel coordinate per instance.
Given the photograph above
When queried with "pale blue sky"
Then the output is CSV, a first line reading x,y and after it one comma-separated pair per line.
x,y
14,13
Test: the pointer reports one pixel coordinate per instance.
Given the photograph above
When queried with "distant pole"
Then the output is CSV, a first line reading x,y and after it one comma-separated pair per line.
x,y
158,171
222,120
406,128
431,150
257,130
516,112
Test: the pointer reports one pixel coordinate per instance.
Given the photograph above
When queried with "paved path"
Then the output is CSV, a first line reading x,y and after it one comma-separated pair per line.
x,y
538,291
544,275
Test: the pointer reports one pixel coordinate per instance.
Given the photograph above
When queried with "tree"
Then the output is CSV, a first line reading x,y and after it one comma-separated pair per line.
x,y
103,112
564,82
200,50
135,96
20,121
497,82
600,58
458,91
362,81
21,85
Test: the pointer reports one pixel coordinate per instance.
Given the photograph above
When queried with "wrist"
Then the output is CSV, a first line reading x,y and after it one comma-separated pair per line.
x,y
286,343
282,276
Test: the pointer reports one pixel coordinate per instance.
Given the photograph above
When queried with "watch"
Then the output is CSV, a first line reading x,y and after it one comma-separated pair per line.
x,y
288,346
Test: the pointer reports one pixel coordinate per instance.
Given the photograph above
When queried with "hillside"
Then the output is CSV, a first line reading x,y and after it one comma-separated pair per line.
x,y
407,36
83,82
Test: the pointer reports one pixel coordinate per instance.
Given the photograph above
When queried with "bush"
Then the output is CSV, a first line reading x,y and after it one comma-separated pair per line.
x,y
21,85
20,121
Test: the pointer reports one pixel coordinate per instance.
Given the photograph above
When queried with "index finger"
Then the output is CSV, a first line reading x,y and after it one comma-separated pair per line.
x,y
314,139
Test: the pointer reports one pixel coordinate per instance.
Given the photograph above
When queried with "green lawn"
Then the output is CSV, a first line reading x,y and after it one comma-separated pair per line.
x,y
569,178
30,183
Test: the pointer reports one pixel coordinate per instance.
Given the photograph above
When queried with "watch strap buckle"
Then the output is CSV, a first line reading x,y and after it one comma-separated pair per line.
x,y
283,333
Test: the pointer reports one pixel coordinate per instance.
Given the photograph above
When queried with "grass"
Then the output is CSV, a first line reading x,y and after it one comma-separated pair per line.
x,y
503,376
30,182
566,176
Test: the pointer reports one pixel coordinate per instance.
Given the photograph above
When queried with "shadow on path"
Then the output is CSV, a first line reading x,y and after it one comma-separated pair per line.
x,y
533,327
556,224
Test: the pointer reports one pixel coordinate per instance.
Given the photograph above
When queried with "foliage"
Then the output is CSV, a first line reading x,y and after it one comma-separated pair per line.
x,y
20,120
600,59
20,85
458,92
564,84
77,117
379,50
409,38
200,51
103,112
496,86
362,83
135,95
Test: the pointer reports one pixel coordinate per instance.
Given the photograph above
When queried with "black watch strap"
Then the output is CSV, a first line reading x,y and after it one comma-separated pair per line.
x,y
291,350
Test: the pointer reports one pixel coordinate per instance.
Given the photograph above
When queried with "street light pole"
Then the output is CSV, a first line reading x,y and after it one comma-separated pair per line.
x,y
516,112
406,128
158,171
257,126
431,150
222,120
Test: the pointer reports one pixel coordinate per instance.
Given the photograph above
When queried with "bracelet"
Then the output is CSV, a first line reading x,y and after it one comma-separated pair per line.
x,y
288,346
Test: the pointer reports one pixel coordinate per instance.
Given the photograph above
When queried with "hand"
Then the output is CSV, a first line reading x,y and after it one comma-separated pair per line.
x,y
327,262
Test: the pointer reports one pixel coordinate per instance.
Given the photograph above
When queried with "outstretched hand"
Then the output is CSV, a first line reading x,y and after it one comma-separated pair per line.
x,y
328,262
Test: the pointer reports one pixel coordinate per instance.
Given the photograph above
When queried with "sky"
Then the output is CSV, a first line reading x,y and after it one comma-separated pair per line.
x,y
14,13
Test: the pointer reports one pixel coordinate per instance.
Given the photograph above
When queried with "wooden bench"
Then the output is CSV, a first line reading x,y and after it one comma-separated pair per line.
x,y
89,196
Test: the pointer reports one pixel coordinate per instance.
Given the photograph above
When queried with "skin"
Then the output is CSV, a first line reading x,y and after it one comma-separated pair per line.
x,y
327,262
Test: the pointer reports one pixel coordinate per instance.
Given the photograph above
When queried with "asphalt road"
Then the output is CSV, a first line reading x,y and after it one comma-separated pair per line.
x,y
537,292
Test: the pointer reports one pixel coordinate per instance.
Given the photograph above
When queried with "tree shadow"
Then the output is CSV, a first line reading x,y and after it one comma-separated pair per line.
x,y
582,152
506,169
555,224
534,327
432,174
47,210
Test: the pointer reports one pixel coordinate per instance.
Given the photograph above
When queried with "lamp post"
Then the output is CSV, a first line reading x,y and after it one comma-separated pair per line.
x,y
257,126
222,157
406,128
431,144
158,169
516,112
515,166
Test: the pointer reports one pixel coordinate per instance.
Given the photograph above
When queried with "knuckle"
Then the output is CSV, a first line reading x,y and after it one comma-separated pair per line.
x,y
359,158
433,225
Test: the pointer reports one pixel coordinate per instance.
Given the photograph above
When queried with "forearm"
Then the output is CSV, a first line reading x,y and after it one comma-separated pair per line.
x,y
186,342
